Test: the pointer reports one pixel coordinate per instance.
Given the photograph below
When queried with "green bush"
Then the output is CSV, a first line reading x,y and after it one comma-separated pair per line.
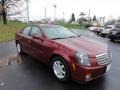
x,y
87,25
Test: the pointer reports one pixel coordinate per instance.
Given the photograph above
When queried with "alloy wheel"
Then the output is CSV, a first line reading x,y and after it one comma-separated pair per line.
x,y
59,69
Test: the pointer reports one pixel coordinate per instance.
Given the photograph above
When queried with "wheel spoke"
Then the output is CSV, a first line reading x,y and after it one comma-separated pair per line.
x,y
18,48
59,69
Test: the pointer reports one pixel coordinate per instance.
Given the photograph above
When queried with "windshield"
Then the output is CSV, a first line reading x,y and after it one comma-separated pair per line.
x,y
57,32
116,29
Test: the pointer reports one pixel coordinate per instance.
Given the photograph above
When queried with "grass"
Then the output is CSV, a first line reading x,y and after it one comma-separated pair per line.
x,y
7,32
72,26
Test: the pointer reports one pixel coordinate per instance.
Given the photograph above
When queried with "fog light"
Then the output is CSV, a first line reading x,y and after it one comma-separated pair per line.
x,y
88,77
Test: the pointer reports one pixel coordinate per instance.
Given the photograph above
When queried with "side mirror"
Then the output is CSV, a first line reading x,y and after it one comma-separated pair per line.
x,y
38,37
35,37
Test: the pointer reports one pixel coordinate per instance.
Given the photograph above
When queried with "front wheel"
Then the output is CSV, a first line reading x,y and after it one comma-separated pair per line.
x,y
60,69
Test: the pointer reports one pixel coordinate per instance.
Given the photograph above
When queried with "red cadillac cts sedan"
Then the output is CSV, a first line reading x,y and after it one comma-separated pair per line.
x,y
70,56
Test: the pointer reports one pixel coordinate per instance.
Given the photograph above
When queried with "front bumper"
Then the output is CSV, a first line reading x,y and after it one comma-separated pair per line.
x,y
86,74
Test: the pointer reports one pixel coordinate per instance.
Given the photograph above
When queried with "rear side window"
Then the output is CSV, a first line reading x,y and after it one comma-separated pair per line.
x,y
26,31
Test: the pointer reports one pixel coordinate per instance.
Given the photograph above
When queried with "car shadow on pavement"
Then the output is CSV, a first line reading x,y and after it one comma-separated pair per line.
x,y
41,74
116,42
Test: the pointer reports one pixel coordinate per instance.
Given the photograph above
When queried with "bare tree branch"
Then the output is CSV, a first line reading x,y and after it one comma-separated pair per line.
x,y
12,7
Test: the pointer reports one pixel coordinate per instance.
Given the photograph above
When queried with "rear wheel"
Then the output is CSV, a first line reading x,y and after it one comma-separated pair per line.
x,y
112,39
60,69
103,35
19,49
97,33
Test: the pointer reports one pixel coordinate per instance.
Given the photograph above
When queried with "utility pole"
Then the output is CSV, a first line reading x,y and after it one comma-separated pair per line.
x,y
27,2
89,17
54,11
45,14
63,17
63,14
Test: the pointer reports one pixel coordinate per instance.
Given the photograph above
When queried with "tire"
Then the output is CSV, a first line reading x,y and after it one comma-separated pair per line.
x,y
103,35
97,33
60,69
112,39
19,49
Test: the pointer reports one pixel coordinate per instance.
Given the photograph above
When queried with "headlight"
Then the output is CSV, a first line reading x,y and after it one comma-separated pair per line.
x,y
83,58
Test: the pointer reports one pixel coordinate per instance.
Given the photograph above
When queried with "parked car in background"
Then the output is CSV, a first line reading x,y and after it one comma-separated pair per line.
x,y
114,34
93,28
99,30
69,56
106,30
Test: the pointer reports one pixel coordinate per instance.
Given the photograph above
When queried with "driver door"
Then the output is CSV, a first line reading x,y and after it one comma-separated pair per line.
x,y
37,44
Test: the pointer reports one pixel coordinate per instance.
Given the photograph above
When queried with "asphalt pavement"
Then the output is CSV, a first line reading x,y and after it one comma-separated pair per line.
x,y
7,49
26,73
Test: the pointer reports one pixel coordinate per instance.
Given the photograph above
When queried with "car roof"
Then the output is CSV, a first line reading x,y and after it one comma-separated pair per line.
x,y
44,25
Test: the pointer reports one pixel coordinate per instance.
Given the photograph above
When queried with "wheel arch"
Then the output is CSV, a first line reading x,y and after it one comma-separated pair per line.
x,y
64,58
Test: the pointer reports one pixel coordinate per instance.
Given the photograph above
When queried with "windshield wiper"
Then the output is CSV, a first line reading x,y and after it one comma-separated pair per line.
x,y
57,38
65,37
74,36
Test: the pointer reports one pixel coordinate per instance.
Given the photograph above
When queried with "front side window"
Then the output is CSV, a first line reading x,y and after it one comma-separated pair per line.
x,y
26,31
35,31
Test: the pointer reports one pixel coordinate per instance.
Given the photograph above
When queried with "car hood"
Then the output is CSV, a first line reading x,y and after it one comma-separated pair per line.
x,y
80,44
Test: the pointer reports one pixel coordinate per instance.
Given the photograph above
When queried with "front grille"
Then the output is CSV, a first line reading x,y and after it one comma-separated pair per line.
x,y
98,72
103,59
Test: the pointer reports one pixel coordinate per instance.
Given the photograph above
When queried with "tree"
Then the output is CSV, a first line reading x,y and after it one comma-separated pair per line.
x,y
94,18
82,18
82,14
118,19
72,17
110,22
11,7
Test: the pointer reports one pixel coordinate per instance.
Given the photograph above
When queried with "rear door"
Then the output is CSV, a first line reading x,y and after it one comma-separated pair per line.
x,y
25,39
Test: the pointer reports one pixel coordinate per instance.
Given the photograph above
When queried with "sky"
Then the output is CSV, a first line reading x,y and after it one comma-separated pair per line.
x,y
100,8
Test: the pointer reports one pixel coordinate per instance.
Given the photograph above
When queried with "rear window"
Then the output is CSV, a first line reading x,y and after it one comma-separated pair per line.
x,y
108,27
117,26
116,29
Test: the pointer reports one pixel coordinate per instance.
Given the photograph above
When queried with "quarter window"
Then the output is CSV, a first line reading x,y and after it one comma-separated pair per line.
x,y
26,31
35,31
